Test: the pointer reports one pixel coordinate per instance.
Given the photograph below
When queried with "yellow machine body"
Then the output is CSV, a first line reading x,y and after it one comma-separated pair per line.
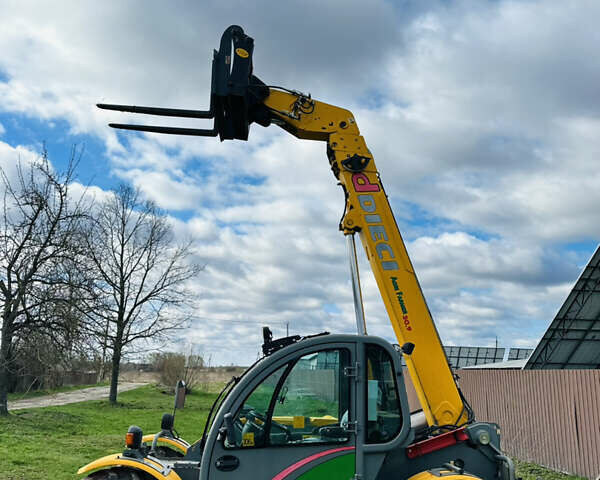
x,y
368,213
117,460
444,474
176,444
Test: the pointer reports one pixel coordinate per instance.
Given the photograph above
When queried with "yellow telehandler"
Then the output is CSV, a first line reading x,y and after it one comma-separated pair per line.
x,y
326,406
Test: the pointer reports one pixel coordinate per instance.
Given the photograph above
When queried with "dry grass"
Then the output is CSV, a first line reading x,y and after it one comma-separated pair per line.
x,y
210,375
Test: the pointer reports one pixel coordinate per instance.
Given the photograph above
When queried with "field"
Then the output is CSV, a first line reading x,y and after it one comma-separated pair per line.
x,y
53,442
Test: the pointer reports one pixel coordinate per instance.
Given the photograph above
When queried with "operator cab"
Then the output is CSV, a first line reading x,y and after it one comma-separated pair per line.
x,y
304,400
307,400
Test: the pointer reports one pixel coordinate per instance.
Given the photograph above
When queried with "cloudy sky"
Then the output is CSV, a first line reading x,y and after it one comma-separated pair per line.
x,y
483,116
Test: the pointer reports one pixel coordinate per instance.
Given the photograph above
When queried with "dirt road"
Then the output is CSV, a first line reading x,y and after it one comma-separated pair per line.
x,y
91,393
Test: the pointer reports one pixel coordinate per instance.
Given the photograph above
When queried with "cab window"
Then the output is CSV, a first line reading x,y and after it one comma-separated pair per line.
x,y
250,421
313,403
305,402
384,417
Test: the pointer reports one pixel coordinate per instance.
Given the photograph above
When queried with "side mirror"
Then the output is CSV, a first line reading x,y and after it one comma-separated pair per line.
x,y
179,395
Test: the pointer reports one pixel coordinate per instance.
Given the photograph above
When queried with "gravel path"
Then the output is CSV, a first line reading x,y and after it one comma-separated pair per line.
x,y
92,393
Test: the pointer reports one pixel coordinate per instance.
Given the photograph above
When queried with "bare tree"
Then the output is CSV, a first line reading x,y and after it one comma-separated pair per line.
x,y
40,224
141,275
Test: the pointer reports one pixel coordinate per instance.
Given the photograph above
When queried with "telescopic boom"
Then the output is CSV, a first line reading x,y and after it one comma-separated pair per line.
x,y
238,98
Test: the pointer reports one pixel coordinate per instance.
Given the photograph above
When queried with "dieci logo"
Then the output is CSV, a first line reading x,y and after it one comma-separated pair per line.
x,y
377,231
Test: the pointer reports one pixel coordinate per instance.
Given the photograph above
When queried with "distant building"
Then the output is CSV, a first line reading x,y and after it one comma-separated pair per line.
x,y
460,357
519,354
463,357
324,360
472,357
507,365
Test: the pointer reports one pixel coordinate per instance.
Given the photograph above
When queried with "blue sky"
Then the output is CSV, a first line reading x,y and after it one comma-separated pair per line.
x,y
484,119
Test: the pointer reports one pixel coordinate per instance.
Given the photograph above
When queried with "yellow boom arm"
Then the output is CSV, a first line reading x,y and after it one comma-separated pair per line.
x,y
368,213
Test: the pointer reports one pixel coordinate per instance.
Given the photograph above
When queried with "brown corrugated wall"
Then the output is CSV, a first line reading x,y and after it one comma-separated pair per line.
x,y
548,417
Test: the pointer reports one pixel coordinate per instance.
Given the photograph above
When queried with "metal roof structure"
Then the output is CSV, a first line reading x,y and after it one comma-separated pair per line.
x,y
572,340
519,353
492,357
507,365
467,356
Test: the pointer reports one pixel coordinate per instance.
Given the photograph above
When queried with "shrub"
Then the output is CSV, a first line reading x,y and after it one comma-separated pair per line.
x,y
173,367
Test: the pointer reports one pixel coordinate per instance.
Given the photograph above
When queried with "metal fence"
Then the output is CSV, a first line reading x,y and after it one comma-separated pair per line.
x,y
27,382
548,417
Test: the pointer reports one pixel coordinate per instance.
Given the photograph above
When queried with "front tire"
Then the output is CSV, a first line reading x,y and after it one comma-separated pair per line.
x,y
118,474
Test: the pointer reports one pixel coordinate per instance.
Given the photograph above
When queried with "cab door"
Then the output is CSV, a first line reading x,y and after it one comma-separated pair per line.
x,y
382,410
295,423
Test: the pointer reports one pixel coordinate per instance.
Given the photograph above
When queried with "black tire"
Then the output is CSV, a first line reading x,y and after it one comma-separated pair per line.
x,y
166,452
119,474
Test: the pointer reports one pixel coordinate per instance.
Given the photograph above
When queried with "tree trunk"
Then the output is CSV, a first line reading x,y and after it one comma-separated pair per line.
x,y
102,369
5,342
114,378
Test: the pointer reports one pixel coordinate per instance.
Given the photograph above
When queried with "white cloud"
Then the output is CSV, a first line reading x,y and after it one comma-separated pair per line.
x,y
483,118
10,157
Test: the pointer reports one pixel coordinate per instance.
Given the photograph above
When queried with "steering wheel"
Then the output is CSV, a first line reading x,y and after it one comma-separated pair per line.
x,y
253,414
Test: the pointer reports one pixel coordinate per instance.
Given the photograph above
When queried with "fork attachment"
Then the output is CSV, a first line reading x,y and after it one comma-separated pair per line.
x,y
236,98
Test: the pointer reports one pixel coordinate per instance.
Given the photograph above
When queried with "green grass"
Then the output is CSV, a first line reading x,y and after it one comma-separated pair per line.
x,y
53,442
531,471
